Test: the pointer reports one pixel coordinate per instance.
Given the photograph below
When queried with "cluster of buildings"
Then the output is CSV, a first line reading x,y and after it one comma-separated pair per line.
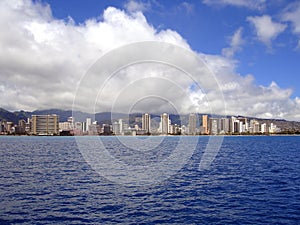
x,y
37,125
236,125
144,125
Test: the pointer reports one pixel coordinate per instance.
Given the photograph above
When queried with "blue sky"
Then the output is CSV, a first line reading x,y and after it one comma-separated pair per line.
x,y
207,27
252,47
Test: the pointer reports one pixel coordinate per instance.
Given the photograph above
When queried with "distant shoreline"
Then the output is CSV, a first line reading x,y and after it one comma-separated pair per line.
x,y
228,135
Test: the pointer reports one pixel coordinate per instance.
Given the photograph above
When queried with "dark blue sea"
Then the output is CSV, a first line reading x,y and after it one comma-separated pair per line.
x,y
48,180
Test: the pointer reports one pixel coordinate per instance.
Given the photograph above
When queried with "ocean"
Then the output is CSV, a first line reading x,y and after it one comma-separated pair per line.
x,y
53,180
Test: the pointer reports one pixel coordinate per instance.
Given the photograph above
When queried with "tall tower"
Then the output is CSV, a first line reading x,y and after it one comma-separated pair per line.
x,y
213,126
121,124
192,124
146,122
164,123
205,123
88,123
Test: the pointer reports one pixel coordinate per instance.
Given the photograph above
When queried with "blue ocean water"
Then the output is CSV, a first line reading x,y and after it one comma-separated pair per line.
x,y
253,180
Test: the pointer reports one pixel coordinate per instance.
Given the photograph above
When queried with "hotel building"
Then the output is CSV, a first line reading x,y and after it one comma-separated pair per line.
x,y
192,124
146,122
204,124
164,123
45,124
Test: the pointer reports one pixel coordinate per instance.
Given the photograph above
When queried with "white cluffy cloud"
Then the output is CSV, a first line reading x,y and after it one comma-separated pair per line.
x,y
43,61
292,14
235,44
134,6
266,29
253,4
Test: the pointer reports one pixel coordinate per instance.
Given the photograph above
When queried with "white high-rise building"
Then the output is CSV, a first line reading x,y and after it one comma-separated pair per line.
x,y
263,128
121,130
234,125
272,128
213,125
224,125
88,123
164,123
146,122
254,126
116,128
241,127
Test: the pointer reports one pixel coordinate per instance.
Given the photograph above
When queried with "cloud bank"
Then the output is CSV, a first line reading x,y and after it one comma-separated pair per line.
x,y
43,60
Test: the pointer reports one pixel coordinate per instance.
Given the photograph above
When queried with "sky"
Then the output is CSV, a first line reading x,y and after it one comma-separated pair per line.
x,y
252,47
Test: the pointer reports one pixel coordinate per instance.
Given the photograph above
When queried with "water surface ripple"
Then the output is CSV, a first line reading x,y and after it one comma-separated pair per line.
x,y
253,180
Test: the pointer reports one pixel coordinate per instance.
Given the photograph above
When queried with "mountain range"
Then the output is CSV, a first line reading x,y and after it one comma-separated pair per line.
x,y
101,117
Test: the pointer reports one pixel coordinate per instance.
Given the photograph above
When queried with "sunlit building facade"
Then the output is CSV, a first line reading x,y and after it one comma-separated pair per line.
x,y
164,123
45,124
146,122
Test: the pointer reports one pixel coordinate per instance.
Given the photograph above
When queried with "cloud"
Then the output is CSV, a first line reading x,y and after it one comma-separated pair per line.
x,y
292,14
235,44
187,7
266,29
137,6
254,4
43,60
243,97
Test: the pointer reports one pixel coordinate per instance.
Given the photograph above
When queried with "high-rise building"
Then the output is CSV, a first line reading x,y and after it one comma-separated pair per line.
x,y
88,124
116,128
231,124
238,125
273,128
164,123
106,129
192,124
263,128
213,126
146,124
28,126
121,124
21,128
45,124
78,128
84,128
205,124
243,124
125,126
71,122
224,125
254,126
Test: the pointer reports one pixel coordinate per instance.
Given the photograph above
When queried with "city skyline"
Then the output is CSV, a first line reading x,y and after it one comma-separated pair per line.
x,y
252,48
196,124
207,125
